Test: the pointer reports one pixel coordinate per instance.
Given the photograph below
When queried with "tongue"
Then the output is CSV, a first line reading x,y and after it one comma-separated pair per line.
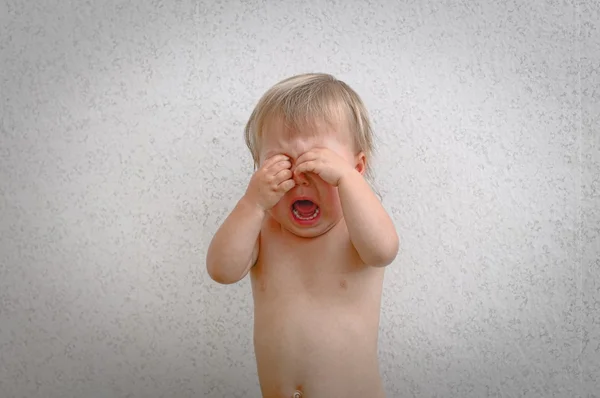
x,y
305,207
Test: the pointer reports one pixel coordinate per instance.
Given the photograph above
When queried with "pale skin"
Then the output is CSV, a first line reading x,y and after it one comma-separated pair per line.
x,y
316,289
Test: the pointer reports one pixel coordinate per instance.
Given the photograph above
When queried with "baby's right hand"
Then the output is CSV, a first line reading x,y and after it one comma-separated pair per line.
x,y
270,182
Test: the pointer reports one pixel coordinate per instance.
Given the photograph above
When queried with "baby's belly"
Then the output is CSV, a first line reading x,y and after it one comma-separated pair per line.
x,y
321,349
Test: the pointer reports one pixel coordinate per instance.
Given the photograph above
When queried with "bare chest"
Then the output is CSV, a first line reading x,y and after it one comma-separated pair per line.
x,y
318,267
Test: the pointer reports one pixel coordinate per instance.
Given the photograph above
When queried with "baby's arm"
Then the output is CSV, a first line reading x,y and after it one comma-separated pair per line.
x,y
234,248
371,230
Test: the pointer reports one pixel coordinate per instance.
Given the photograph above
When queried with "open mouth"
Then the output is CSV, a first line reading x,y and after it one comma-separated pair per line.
x,y
305,210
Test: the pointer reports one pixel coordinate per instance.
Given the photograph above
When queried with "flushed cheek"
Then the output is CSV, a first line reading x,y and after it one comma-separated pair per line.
x,y
281,208
333,203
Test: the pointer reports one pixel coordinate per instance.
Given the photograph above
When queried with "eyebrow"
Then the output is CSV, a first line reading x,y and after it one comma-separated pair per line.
x,y
272,152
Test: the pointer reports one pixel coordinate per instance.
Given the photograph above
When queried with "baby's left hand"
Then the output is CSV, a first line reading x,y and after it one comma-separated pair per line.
x,y
327,164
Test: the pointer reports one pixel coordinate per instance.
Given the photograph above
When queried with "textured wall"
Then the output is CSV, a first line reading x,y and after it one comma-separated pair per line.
x,y
121,151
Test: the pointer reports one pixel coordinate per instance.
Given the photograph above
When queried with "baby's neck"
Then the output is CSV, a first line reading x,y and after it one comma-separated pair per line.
x,y
297,239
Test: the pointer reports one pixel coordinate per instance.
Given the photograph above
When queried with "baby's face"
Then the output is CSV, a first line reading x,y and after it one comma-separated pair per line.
x,y
312,207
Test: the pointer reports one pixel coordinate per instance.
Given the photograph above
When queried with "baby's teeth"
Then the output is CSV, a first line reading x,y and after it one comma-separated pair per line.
x,y
306,218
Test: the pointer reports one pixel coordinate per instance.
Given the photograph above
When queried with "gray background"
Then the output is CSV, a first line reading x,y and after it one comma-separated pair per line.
x,y
121,152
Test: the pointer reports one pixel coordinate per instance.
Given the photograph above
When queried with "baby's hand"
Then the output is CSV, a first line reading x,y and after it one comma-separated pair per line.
x,y
270,182
325,163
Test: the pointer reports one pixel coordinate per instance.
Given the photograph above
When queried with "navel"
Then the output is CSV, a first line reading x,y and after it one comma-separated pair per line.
x,y
343,284
298,392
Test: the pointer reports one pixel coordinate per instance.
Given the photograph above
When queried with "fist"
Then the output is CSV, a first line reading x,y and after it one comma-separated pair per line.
x,y
325,163
269,183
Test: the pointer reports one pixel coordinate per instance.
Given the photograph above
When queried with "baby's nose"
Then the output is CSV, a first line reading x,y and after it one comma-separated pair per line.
x,y
300,179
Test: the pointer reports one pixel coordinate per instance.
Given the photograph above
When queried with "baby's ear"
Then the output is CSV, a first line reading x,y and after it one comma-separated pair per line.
x,y
361,163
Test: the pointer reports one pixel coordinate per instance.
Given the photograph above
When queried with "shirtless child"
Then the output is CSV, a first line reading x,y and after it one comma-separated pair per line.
x,y
315,240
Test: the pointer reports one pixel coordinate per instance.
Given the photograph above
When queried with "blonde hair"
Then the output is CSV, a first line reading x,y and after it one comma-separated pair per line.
x,y
303,99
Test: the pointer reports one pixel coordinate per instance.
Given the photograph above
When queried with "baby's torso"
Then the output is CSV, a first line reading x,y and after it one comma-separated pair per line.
x,y
316,316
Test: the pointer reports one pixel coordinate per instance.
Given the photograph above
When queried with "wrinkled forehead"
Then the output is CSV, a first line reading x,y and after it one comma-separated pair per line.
x,y
277,135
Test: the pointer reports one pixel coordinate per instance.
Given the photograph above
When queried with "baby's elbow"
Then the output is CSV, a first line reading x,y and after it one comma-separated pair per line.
x,y
386,253
218,277
213,272
224,280
218,273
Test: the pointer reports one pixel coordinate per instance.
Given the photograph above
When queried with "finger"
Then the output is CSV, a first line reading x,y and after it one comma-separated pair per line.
x,y
306,167
306,156
286,186
274,159
283,164
283,175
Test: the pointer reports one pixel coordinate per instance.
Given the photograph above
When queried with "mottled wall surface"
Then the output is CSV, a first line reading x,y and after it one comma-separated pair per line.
x,y
121,151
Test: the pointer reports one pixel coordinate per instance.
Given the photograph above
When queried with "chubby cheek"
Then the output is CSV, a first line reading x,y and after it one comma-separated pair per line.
x,y
280,209
331,201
